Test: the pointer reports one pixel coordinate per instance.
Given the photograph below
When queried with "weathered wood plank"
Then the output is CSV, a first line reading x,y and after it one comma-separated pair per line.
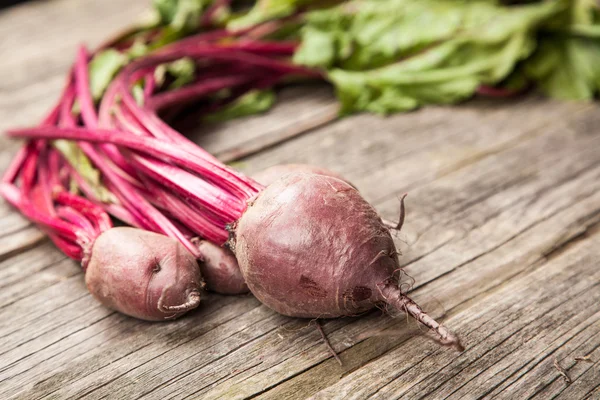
x,y
20,240
539,378
311,344
15,272
232,361
503,220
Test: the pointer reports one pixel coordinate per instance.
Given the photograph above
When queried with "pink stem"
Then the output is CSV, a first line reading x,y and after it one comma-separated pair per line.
x,y
90,210
16,164
82,84
13,196
149,85
74,217
194,91
168,152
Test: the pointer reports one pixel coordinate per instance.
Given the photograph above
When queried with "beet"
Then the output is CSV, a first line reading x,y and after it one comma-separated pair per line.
x,y
310,246
220,269
143,274
307,245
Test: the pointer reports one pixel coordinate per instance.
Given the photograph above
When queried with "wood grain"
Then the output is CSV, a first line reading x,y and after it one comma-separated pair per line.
x,y
502,240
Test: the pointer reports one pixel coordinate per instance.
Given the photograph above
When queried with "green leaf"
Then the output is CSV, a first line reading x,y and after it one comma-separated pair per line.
x,y
103,68
266,10
182,72
78,160
566,63
138,49
181,15
382,60
253,102
566,68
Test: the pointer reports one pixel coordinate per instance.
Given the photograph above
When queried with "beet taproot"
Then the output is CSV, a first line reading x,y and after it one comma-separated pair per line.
x,y
143,274
310,246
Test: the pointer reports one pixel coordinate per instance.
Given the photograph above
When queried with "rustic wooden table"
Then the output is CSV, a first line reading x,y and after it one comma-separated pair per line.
x,y
501,239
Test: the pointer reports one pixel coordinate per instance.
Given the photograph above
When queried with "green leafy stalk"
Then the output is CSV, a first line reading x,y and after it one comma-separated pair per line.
x,y
267,10
382,60
103,68
78,160
181,15
566,64
182,71
253,102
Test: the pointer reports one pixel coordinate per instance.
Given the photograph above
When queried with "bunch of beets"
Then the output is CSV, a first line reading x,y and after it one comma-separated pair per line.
x,y
306,244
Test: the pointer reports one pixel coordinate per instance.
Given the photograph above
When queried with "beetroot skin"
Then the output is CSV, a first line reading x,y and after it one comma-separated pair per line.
x,y
310,246
303,269
143,274
220,269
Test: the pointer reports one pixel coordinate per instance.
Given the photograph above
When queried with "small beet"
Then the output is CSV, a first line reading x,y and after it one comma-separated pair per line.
x,y
143,274
220,269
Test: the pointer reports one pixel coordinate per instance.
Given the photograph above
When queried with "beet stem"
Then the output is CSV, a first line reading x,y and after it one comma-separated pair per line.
x,y
394,297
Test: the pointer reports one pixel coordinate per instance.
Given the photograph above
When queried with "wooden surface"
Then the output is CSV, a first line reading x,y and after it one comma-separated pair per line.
x,y
502,239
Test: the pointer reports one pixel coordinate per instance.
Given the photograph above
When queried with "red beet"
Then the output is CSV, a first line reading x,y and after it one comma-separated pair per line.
x,y
310,246
143,274
220,269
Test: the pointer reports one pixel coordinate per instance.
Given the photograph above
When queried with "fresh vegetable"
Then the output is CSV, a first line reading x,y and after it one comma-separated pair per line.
x,y
307,235
218,264
308,245
220,269
143,274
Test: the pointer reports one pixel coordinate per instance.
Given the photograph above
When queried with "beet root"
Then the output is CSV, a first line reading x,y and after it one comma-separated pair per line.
x,y
310,246
220,269
143,274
